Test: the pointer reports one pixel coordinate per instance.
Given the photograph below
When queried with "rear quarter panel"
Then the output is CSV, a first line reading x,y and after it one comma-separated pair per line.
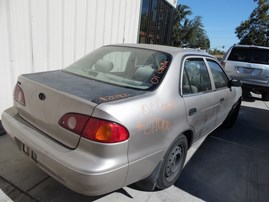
x,y
153,120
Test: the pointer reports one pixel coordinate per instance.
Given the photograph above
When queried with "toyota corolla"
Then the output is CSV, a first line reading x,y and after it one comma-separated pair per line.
x,y
121,114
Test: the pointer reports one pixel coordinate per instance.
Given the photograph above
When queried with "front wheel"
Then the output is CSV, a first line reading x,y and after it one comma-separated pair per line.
x,y
173,163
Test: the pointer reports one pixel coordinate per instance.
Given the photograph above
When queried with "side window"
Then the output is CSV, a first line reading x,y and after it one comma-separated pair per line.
x,y
195,76
220,78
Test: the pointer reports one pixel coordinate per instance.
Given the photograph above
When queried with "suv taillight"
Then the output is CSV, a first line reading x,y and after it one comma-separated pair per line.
x,y
94,129
19,95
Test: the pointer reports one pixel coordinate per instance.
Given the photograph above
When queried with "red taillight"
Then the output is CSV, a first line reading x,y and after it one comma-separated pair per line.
x,y
94,129
105,131
19,95
74,122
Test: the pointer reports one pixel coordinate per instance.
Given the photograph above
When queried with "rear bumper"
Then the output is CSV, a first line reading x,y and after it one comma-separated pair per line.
x,y
254,85
77,169
252,81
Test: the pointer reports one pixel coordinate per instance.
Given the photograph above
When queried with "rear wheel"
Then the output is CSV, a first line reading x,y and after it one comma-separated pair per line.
x,y
265,96
246,93
173,163
2,131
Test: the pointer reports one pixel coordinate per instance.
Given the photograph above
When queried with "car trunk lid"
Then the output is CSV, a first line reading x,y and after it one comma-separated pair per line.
x,y
51,95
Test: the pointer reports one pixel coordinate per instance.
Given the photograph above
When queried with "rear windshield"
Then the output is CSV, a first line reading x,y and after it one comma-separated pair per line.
x,y
249,54
124,66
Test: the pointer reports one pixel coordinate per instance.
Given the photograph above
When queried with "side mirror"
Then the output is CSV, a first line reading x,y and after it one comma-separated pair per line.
x,y
235,83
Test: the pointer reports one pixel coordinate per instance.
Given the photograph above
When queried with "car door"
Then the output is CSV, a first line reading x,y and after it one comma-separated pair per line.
x,y
199,97
223,93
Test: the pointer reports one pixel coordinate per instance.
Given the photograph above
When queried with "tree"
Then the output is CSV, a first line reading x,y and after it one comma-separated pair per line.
x,y
255,30
216,51
189,33
181,25
198,38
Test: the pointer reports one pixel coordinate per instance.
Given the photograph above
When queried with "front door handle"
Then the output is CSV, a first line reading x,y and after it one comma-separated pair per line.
x,y
192,111
221,100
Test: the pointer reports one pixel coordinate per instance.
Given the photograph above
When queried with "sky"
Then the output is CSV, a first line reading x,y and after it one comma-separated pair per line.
x,y
220,18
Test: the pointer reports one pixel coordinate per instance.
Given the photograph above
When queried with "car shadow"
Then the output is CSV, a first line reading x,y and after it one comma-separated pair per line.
x,y
232,164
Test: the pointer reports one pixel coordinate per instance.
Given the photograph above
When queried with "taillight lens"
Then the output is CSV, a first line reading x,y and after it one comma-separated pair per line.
x,y
94,129
74,122
105,131
19,95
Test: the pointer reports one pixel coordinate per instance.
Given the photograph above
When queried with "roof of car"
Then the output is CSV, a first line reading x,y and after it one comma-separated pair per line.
x,y
169,49
250,46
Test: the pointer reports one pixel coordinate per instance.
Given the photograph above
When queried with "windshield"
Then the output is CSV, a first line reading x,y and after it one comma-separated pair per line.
x,y
129,67
249,54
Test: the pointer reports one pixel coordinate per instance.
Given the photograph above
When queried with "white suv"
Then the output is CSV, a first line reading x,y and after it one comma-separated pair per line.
x,y
250,65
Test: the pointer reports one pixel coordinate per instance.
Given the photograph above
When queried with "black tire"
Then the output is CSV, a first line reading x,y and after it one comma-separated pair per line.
x,y
246,93
265,96
173,163
2,130
232,116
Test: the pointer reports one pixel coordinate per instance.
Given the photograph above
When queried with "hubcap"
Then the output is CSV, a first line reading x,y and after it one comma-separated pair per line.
x,y
174,162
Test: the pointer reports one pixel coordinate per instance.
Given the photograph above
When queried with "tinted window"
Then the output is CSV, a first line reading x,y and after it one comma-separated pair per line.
x,y
156,22
195,76
252,55
124,66
220,78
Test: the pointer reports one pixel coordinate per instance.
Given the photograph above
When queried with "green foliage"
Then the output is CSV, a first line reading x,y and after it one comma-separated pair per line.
x,y
189,33
216,52
255,30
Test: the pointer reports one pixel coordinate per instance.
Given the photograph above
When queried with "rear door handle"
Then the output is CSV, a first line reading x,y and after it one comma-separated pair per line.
x,y
192,111
221,100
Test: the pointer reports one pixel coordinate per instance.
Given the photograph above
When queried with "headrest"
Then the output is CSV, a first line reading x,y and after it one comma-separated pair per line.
x,y
103,66
144,73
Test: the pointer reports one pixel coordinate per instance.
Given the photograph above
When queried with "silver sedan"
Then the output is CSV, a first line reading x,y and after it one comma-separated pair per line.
x,y
121,114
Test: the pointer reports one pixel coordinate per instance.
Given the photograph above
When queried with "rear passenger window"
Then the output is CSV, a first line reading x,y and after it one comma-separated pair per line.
x,y
195,77
220,78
